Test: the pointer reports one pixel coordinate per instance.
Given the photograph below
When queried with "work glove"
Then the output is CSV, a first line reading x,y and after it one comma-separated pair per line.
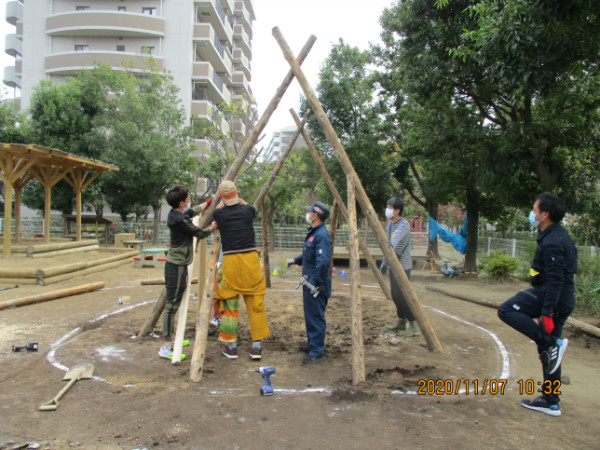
x,y
546,323
291,261
208,202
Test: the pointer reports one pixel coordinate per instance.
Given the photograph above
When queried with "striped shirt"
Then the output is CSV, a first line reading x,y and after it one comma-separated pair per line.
x,y
399,235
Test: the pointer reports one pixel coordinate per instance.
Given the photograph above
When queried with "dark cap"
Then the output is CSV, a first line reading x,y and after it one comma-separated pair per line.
x,y
320,209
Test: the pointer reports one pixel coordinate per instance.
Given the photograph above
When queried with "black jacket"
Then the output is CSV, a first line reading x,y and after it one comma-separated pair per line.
x,y
183,232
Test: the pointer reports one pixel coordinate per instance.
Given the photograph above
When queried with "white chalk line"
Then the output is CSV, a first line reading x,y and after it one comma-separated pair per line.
x,y
501,350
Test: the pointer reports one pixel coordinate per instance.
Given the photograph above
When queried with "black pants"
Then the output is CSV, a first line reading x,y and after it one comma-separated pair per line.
x,y
402,309
175,283
520,311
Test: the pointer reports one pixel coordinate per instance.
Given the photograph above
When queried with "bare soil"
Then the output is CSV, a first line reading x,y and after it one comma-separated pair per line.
x,y
139,400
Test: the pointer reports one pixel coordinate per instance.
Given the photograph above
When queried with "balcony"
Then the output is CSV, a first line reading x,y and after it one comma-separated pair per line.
x,y
242,40
105,23
13,45
211,11
69,63
243,16
240,82
208,48
216,91
10,77
241,63
14,12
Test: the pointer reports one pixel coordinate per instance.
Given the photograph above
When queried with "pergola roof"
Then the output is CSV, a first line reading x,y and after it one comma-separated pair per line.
x,y
20,163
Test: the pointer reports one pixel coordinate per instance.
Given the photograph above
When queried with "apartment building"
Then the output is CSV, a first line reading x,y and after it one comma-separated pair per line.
x,y
205,44
280,141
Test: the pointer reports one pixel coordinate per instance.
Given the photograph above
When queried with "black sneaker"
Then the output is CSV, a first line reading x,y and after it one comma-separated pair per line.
x,y
552,357
304,348
255,353
540,404
230,353
308,359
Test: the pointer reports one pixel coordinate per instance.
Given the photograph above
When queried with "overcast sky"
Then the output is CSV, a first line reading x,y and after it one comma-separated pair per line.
x,y
356,21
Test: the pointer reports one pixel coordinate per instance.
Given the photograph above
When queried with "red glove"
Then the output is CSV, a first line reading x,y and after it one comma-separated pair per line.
x,y
214,222
546,323
208,201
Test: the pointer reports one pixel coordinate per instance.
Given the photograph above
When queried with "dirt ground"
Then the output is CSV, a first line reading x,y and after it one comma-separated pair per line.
x,y
139,400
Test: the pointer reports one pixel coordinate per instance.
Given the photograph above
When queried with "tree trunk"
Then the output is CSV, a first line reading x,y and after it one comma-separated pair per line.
x,y
472,226
432,246
271,227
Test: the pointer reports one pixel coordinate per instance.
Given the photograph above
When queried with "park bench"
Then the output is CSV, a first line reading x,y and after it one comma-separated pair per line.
x,y
151,257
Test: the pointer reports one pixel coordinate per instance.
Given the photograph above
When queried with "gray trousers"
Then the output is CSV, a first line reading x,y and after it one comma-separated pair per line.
x,y
402,308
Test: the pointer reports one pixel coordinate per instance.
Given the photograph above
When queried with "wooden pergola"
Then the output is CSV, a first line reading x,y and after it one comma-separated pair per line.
x,y
21,163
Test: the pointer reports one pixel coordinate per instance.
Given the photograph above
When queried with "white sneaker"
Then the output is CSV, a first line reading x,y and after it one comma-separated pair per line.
x,y
166,353
216,322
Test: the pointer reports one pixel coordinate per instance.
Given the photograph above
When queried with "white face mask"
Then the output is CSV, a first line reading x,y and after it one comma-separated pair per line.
x,y
389,213
308,219
188,205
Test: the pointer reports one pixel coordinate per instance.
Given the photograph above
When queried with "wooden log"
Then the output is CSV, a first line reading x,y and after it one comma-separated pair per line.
x,y
161,281
17,273
28,281
234,170
79,273
278,166
338,199
204,310
59,270
67,251
41,248
51,295
411,297
358,351
584,326
265,246
334,220
157,310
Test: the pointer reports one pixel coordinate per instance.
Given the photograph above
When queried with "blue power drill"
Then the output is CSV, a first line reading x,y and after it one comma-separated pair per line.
x,y
266,372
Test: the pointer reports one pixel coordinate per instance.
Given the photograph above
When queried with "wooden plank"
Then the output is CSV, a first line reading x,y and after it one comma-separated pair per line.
x,y
358,351
367,208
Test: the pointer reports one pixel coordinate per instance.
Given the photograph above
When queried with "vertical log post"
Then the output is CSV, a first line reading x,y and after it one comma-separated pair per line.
x,y
265,245
334,220
339,152
157,310
338,198
204,310
358,351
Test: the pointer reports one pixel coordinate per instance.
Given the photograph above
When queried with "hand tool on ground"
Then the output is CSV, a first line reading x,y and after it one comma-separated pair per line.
x,y
266,372
30,347
9,287
79,372
304,282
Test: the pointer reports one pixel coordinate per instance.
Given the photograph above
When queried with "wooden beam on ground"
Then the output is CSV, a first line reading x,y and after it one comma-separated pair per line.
x,y
234,170
358,351
277,168
265,246
338,199
87,271
51,295
204,309
367,208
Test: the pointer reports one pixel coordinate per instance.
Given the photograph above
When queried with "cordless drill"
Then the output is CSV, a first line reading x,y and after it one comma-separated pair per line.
x,y
266,372
30,347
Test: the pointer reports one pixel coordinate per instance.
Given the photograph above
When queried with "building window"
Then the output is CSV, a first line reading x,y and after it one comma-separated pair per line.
x,y
120,48
199,92
122,8
149,11
82,8
147,50
81,48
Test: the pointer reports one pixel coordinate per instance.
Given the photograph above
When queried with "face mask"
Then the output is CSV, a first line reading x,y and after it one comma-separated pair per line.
x,y
532,220
188,205
389,213
308,219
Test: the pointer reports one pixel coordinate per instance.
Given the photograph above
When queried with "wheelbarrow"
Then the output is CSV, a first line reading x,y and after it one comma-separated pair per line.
x,y
78,372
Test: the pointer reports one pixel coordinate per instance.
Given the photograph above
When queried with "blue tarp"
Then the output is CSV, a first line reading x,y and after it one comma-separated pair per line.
x,y
459,241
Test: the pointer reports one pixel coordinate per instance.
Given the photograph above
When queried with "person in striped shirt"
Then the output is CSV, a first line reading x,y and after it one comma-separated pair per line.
x,y
397,230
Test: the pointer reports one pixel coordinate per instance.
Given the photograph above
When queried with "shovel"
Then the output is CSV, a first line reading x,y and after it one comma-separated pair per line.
x,y
79,372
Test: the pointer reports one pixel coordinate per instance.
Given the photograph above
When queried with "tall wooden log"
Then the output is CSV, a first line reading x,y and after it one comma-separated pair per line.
x,y
52,295
204,310
338,198
157,310
358,351
277,168
340,154
265,245
234,170
334,220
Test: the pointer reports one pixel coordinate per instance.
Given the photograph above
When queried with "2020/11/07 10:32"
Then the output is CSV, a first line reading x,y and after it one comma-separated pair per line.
x,y
485,386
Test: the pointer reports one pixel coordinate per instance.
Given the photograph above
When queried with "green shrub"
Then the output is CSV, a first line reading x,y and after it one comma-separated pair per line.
x,y
587,285
499,265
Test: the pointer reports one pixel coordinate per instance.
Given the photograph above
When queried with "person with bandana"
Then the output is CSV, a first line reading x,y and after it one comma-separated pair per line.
x,y
397,231
180,255
550,300
315,261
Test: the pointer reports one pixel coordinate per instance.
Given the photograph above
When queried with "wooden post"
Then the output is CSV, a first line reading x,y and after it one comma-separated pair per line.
x,y
334,219
204,309
338,198
275,171
339,152
7,216
234,170
265,246
201,258
157,310
358,351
